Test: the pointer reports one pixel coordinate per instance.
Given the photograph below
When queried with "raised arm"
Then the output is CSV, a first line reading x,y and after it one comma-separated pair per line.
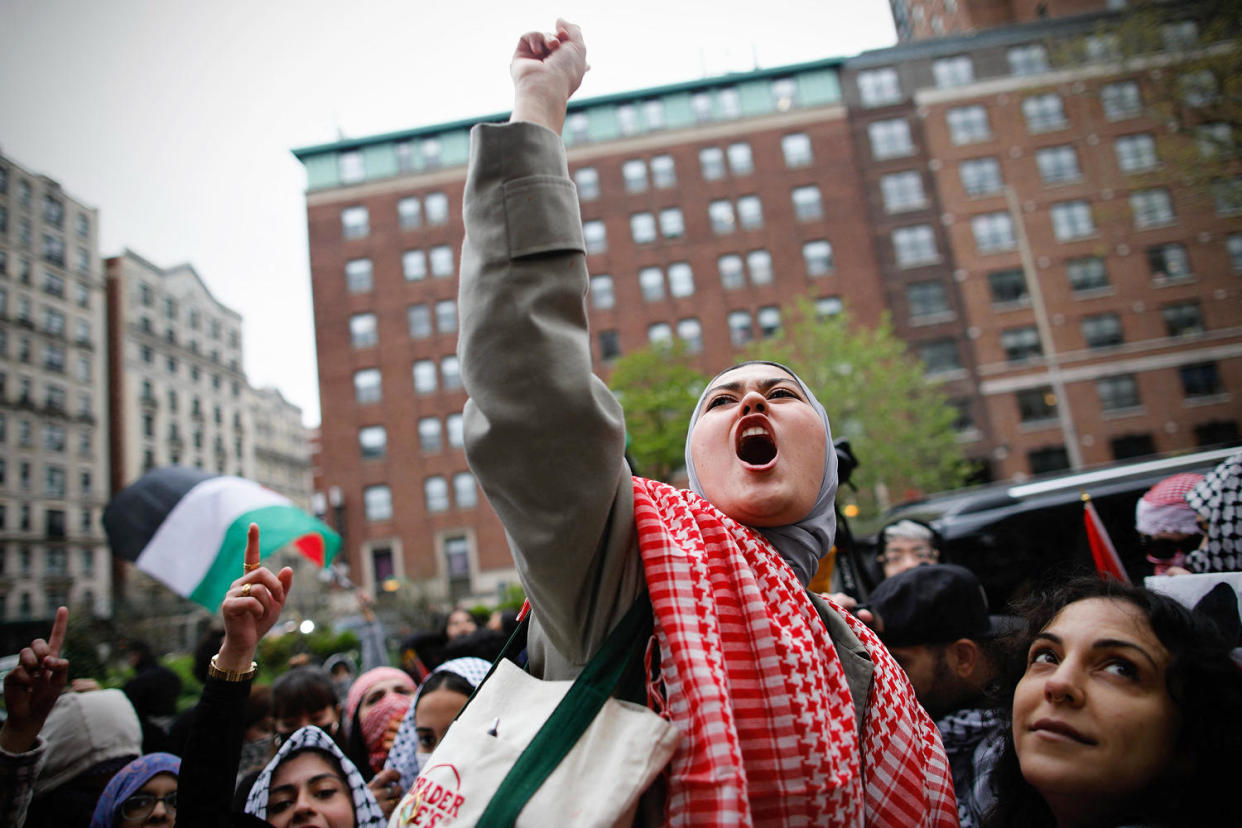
x,y
544,436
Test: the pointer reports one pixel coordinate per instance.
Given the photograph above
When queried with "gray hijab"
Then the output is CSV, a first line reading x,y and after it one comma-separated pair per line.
x,y
801,544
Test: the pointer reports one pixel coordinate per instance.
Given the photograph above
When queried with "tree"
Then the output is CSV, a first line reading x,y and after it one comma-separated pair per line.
x,y
898,422
658,387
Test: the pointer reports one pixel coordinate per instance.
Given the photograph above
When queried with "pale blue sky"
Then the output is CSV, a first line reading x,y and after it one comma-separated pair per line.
x,y
175,118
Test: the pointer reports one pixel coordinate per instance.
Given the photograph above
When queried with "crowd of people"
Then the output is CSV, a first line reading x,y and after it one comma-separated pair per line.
x,y
1094,703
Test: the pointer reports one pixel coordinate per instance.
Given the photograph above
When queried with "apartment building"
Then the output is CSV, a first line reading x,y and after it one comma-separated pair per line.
x,y
706,206
280,446
53,412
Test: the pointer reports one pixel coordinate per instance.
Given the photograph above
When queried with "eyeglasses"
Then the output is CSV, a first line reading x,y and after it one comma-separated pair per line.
x,y
923,554
140,806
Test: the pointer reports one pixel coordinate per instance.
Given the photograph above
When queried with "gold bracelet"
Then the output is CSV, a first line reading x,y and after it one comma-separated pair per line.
x,y
214,671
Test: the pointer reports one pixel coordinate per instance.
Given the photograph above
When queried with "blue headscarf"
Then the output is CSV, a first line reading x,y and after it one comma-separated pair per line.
x,y
127,782
803,543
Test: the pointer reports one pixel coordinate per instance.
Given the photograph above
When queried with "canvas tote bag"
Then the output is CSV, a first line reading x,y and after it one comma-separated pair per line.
x,y
533,753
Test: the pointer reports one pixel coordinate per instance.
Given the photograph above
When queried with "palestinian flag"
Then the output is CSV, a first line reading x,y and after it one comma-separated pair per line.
x,y
1103,553
187,528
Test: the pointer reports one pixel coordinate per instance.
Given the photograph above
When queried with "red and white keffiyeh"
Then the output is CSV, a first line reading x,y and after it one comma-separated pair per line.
x,y
755,685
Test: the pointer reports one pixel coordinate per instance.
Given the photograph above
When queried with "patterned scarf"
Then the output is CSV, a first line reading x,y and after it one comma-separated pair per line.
x,y
755,685
379,726
974,739
127,782
367,813
1218,500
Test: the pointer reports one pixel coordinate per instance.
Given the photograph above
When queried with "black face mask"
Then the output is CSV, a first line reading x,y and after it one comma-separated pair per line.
x,y
1164,549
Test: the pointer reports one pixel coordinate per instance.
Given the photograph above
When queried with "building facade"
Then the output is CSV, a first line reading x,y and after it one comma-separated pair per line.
x,y
53,411
280,445
1078,302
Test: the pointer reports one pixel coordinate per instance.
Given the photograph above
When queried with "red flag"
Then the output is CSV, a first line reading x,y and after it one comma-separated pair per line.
x,y
1107,563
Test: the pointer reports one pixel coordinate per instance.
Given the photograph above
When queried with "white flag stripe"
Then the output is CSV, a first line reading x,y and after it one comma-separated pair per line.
x,y
187,542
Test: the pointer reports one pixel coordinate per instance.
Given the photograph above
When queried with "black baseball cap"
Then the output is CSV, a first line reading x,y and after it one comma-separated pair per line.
x,y
936,603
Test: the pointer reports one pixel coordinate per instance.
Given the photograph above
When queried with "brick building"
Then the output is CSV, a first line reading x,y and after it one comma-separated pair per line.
x,y
933,179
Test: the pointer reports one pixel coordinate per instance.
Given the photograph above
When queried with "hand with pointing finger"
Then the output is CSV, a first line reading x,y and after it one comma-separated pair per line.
x,y
33,686
251,606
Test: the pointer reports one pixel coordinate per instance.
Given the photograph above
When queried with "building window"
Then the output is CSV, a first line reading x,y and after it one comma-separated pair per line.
x,y
595,236
1183,318
1168,262
1043,112
741,162
720,216
730,102
446,316
355,222
796,148
1121,100
879,87
993,232
1102,330
759,263
741,330
1132,445
1071,220
651,284
465,492
351,167
1202,379
826,306
1037,404
732,276
1088,273
817,255
926,299
627,119
453,425
663,172
372,442
1182,34
414,265
424,372
1021,344
784,93
1048,459
915,246
609,345
769,321
711,162
577,127
418,319
653,113
1227,195
367,385
807,203
661,333
435,205
750,212
450,372
457,564
672,223
377,502
940,356
1233,246
1214,433
690,332
1214,141
968,124
958,70
1152,208
1135,153
358,275
634,172
409,213
1198,88
1057,164
1008,287
980,176
441,257
1118,393
429,434
586,179
902,191
643,228
890,139
363,332
680,279
602,295
1029,59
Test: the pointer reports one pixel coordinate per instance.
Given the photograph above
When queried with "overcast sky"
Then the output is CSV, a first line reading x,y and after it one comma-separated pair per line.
x,y
176,118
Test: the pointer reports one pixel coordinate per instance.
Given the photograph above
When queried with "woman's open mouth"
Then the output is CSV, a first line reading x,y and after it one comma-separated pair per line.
x,y
755,445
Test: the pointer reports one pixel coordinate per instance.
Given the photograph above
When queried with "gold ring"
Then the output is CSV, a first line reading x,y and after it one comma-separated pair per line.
x,y
245,593
250,567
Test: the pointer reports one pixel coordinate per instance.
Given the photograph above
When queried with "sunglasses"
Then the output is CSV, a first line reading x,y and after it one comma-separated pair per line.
x,y
140,806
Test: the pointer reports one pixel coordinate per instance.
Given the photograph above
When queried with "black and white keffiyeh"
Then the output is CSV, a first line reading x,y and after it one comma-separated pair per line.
x,y
367,813
973,740
1218,500
403,755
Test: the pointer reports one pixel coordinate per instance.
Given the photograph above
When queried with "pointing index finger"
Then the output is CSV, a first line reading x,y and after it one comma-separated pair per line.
x,y
57,638
252,547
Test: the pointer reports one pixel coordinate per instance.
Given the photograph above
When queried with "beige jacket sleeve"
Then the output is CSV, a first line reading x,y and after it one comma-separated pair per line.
x,y
543,434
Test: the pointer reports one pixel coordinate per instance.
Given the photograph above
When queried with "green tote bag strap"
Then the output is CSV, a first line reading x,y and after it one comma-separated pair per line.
x,y
572,716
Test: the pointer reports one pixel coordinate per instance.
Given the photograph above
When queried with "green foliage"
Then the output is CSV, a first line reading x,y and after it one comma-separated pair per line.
x,y
658,387
275,651
898,422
